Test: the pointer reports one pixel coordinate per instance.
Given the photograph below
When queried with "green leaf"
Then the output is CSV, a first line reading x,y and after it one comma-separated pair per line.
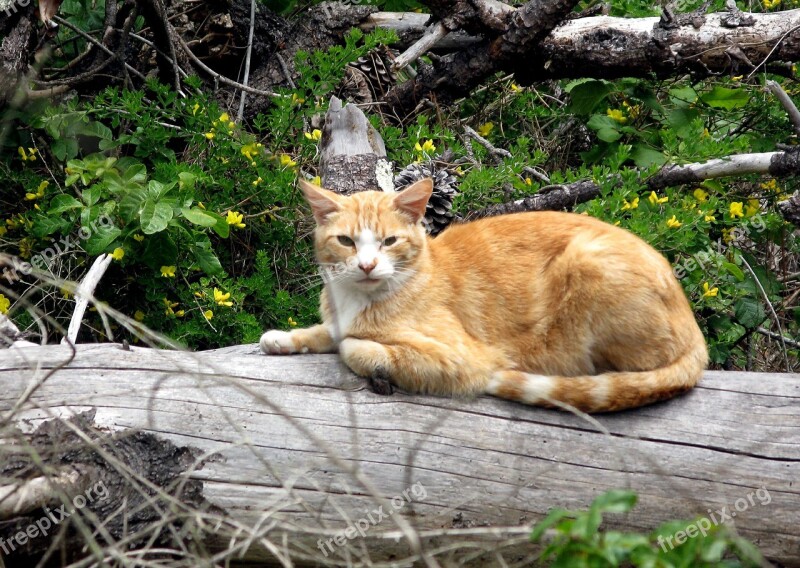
x,y
586,95
131,204
207,260
714,550
157,190
91,195
728,99
186,180
683,96
615,501
734,270
551,519
155,217
606,128
198,217
682,121
63,202
221,227
159,250
644,157
100,239
46,226
586,525
749,312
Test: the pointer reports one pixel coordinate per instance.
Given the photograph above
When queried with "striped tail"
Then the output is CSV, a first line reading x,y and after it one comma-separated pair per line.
x,y
602,393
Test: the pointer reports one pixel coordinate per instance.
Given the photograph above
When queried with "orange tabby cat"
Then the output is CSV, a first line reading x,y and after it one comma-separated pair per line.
x,y
544,308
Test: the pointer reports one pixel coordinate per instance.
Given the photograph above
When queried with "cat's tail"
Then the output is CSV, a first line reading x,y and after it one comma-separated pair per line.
x,y
606,392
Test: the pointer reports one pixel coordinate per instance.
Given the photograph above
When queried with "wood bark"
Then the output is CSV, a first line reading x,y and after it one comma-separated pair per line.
x,y
265,432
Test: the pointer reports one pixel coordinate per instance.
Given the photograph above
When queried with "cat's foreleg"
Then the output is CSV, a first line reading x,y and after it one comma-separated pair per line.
x,y
315,339
422,365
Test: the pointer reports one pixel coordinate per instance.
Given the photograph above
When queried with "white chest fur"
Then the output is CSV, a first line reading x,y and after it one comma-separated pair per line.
x,y
345,306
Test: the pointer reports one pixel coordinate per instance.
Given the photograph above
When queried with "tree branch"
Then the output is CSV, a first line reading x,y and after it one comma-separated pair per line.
x,y
775,164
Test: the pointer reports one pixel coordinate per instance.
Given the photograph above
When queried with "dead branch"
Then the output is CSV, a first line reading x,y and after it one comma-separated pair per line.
x,y
775,164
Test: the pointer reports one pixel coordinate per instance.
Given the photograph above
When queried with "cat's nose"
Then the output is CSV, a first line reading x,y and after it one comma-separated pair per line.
x,y
367,268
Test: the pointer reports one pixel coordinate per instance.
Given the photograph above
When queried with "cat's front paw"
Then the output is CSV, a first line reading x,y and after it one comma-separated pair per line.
x,y
363,357
276,342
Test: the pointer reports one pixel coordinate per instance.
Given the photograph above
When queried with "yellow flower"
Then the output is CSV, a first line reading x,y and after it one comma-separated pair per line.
x,y
736,209
528,181
168,271
118,253
235,219
632,110
222,298
3,230
737,78
753,207
771,185
208,314
632,205
315,134
287,162
195,108
138,315
316,180
727,235
210,135
138,238
700,195
25,248
710,218
200,294
515,88
257,181
297,100
486,129
655,199
5,303
617,115
39,191
673,223
180,314
169,307
29,156
709,292
426,147
292,323
224,117
251,150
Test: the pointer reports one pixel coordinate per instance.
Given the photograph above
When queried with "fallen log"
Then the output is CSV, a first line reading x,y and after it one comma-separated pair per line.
x,y
288,452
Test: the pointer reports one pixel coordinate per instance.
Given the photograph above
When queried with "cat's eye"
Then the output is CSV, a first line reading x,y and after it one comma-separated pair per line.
x,y
346,241
389,241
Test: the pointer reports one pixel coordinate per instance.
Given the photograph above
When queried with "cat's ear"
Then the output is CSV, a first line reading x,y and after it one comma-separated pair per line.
x,y
413,199
322,201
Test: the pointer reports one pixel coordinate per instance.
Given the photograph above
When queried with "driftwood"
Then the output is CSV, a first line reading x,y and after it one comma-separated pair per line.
x,y
288,451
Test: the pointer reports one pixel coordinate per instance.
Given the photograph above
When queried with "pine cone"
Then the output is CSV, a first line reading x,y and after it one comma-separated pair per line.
x,y
370,77
439,213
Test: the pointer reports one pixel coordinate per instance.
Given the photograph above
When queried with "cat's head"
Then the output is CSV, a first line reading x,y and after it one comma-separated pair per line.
x,y
370,239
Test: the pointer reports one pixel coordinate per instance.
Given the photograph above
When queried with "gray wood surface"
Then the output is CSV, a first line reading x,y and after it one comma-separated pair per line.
x,y
275,422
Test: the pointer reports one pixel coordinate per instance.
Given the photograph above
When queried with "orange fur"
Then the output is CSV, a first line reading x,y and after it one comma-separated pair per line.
x,y
545,308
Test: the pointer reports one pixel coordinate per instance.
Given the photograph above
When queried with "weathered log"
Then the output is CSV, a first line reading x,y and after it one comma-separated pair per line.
x,y
287,451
